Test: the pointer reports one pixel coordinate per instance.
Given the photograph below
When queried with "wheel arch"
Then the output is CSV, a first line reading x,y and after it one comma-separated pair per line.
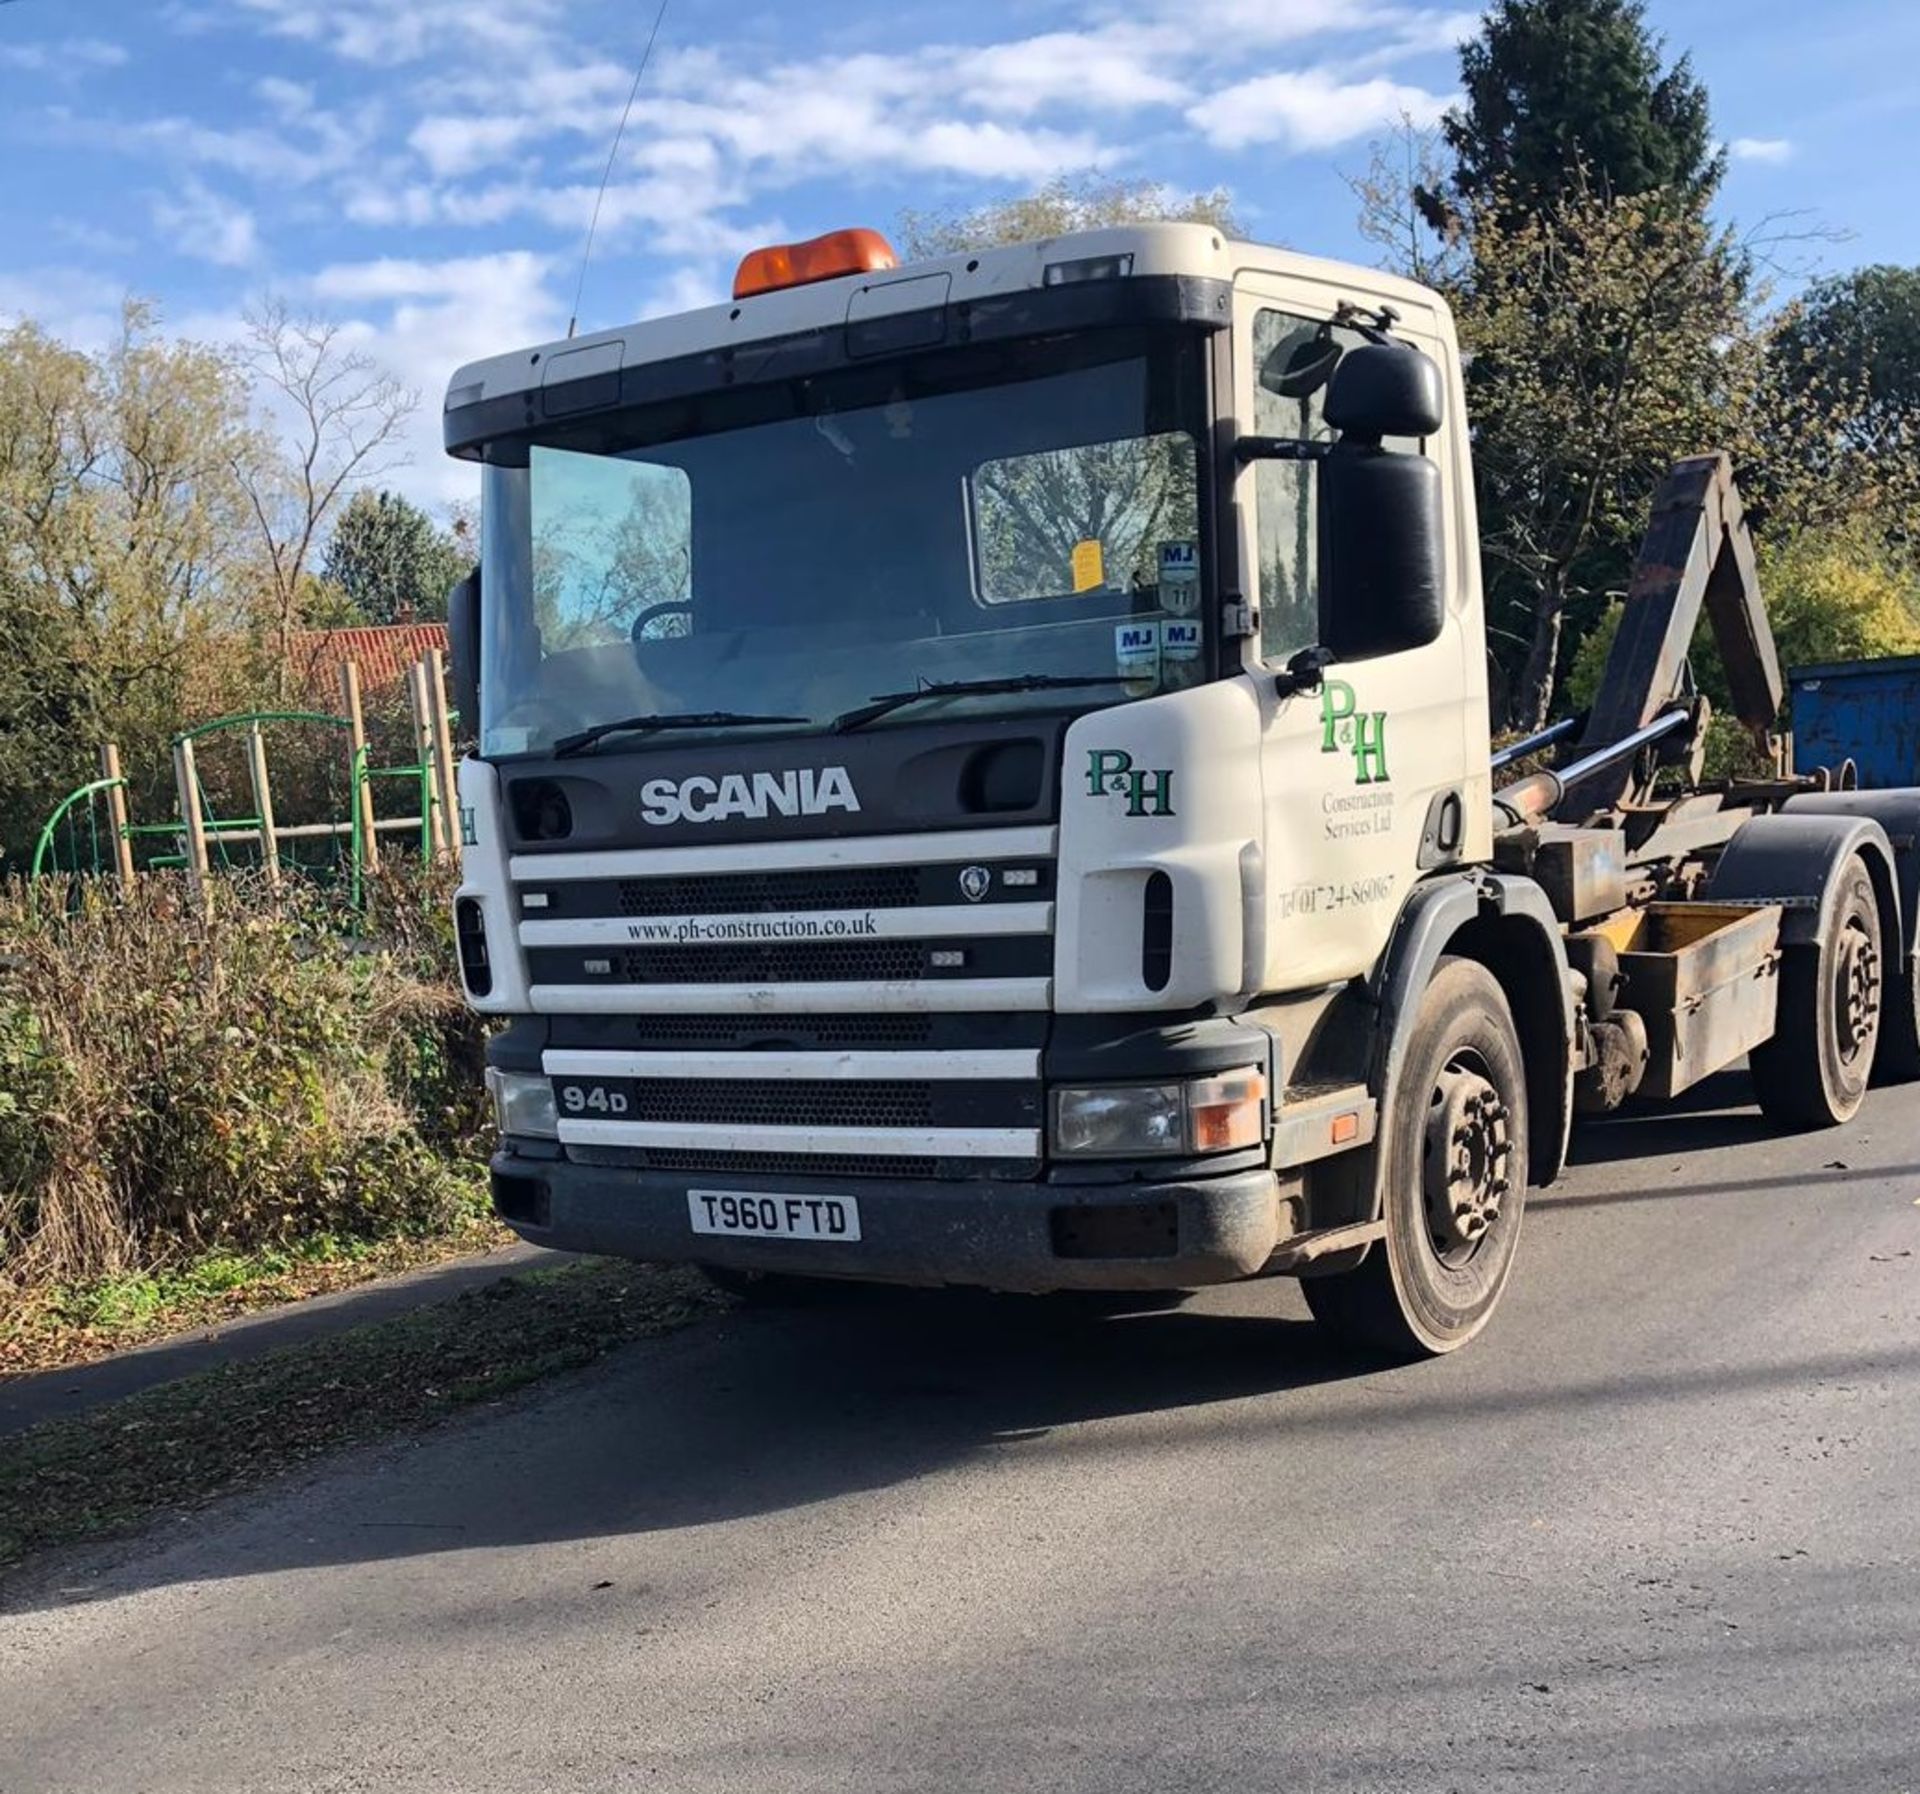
x,y
1898,814
1507,925
1790,858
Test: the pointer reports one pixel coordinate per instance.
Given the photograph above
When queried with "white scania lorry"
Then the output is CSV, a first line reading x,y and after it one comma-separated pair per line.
x,y
982,775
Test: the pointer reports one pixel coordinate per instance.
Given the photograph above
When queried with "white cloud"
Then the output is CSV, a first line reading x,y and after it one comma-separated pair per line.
x,y
68,56
685,289
1762,149
1308,109
423,320
1236,26
451,145
81,234
79,307
392,32
291,100
324,143
1121,70
202,223
392,278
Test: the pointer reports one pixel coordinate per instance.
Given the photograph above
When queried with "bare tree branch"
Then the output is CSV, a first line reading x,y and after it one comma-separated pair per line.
x,y
339,415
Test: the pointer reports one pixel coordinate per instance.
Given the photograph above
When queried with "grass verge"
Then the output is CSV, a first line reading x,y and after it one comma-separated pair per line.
x,y
176,1447
57,1326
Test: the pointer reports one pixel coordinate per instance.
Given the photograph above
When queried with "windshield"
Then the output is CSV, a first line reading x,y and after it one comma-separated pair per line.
x,y
796,551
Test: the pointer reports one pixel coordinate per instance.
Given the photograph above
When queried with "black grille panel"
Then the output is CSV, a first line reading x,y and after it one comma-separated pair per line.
x,y
724,1032
788,1164
918,1104
808,962
783,1102
867,961
801,1164
752,893
948,1030
943,883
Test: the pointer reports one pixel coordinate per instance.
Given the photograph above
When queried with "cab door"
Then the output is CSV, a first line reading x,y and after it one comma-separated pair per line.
x,y
1359,772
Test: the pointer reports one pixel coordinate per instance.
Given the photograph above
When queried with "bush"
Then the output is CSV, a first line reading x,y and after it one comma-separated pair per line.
x,y
173,1085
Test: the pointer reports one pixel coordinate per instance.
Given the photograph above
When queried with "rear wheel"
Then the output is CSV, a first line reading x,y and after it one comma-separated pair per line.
x,y
1455,1179
1898,1061
1814,1071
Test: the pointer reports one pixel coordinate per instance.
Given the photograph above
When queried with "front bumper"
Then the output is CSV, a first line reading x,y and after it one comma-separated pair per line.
x,y
1018,1236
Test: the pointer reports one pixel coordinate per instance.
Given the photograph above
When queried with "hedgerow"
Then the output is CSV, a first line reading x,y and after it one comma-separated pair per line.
x,y
174,1083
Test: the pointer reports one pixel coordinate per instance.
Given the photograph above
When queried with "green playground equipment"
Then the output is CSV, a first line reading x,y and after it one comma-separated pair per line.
x,y
200,839
90,796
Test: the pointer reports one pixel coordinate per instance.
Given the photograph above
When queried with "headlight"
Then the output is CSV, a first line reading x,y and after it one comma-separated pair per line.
x,y
1120,1120
523,1104
1117,1121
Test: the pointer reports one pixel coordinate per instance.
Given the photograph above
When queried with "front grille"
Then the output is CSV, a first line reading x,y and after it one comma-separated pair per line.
x,y
918,1105
801,1164
753,962
751,893
723,1033
950,1030
782,1102
869,960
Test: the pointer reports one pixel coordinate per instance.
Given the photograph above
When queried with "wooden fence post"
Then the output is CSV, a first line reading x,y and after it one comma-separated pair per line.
x,y
188,780
263,803
433,832
117,814
357,762
447,781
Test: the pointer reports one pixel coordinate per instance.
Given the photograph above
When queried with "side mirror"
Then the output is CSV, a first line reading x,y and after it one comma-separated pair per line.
x,y
1381,526
1300,363
463,653
1384,389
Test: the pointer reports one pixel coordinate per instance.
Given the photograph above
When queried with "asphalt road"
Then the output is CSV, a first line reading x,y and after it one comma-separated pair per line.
x,y
1659,1528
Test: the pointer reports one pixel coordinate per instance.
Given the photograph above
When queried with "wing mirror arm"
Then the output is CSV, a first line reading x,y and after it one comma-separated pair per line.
x,y
1305,671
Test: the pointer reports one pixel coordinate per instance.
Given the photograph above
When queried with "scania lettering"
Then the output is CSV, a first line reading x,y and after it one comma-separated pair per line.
x,y
757,795
981,774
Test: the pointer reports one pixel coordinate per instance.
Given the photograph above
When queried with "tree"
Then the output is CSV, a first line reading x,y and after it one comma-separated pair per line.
x,y
1035,510
1403,169
1609,336
340,416
124,554
1572,92
1067,203
390,561
1857,336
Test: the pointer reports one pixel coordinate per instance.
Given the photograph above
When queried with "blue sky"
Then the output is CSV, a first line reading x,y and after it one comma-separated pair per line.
x,y
422,170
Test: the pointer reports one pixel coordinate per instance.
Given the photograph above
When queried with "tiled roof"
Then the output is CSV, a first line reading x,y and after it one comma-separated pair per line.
x,y
383,652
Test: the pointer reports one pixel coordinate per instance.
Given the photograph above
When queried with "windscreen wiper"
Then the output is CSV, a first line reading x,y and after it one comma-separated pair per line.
x,y
646,725
884,702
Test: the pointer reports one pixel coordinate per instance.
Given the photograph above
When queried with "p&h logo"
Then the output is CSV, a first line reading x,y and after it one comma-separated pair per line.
x,y
1362,733
1112,773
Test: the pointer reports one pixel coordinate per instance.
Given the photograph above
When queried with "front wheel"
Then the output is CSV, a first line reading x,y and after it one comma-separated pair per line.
x,y
1455,1182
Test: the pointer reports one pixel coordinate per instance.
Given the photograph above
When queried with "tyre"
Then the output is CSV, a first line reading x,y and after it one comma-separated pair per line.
x,y
1455,1180
1898,1060
1814,1071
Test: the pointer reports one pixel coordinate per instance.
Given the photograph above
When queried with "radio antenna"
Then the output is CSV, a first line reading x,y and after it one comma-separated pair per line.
x,y
593,224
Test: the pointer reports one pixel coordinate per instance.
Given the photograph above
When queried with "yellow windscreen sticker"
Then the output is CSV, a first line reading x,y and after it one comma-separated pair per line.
x,y
1089,568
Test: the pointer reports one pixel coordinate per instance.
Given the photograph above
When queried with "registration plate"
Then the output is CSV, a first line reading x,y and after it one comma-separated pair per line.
x,y
756,1214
